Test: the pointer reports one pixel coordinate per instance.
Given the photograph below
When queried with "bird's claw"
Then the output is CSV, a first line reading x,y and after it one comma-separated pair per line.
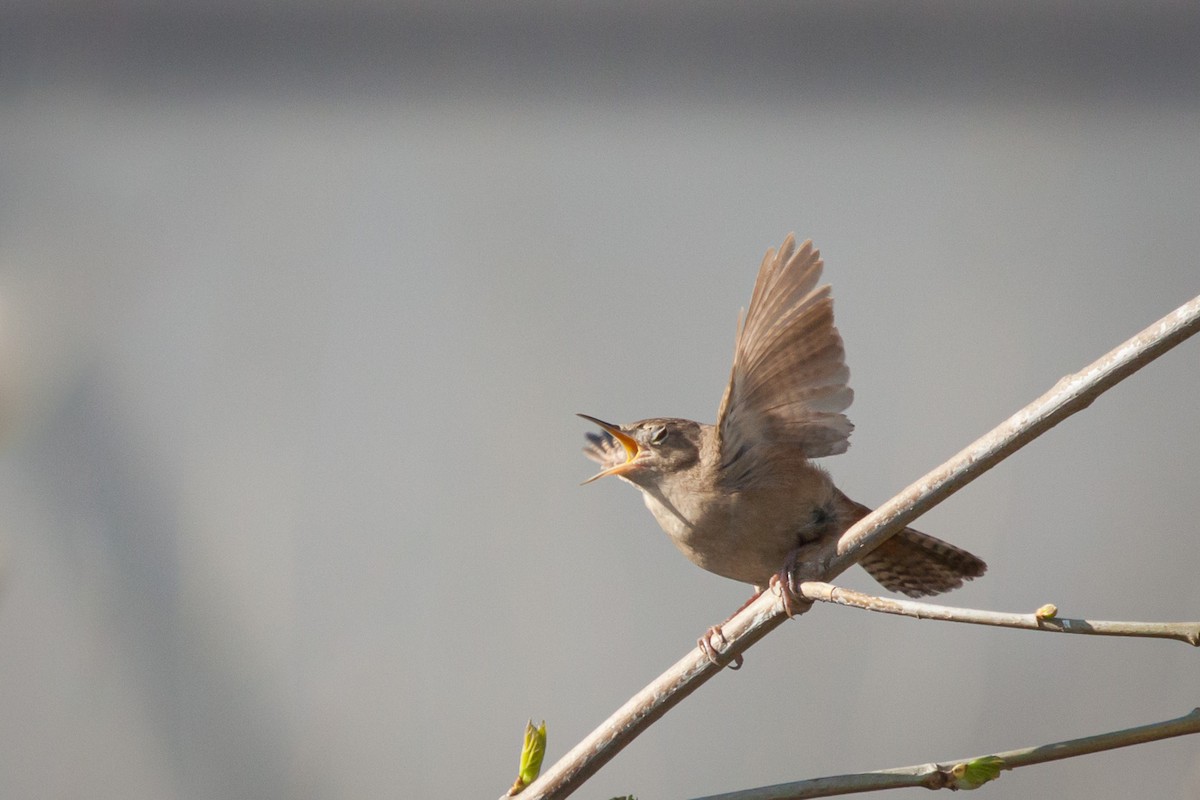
x,y
787,581
712,651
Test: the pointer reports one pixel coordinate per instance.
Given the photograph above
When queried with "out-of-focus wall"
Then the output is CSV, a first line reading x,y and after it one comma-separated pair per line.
x,y
297,304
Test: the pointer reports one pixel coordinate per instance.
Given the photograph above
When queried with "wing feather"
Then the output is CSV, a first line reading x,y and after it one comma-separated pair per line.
x,y
789,378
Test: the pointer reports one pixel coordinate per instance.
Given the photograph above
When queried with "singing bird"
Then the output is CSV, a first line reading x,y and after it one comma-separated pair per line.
x,y
742,498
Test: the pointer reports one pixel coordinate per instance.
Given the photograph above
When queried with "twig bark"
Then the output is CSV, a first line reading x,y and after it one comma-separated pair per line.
x,y
1182,631
944,775
1071,394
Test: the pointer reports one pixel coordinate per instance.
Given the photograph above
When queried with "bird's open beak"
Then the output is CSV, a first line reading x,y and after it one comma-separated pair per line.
x,y
628,442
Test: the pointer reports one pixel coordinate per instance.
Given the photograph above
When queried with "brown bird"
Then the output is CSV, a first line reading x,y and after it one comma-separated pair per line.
x,y
742,498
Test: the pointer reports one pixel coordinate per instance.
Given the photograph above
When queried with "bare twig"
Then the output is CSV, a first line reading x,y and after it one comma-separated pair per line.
x,y
1182,631
1071,394
939,776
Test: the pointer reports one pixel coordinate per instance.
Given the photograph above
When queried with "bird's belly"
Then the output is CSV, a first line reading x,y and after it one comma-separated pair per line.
x,y
738,535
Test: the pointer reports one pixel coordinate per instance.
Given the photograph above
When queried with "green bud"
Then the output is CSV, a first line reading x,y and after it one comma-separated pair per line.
x,y
975,773
533,750
1048,611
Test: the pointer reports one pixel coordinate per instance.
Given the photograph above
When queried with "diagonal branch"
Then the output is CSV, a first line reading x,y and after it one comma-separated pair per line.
x,y
1071,394
937,776
827,593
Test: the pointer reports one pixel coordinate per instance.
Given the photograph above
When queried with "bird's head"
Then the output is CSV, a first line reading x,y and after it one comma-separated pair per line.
x,y
643,452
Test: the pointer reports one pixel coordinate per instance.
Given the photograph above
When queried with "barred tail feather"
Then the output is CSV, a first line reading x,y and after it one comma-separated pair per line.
x,y
915,563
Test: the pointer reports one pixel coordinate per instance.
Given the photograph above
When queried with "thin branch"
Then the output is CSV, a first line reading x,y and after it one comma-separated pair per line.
x,y
827,593
1071,394
937,776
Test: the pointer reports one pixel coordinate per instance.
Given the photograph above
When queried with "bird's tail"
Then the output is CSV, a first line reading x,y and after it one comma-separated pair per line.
x,y
915,563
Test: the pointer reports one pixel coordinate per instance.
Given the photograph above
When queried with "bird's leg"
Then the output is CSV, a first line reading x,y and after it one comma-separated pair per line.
x,y
800,565
705,642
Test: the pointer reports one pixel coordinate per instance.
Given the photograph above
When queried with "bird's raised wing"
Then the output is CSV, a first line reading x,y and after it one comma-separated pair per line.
x,y
789,381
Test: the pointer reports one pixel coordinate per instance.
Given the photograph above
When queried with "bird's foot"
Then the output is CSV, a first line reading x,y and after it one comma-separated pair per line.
x,y
796,570
716,632
712,650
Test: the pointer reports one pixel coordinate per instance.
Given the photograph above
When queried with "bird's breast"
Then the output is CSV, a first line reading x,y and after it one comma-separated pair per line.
x,y
744,534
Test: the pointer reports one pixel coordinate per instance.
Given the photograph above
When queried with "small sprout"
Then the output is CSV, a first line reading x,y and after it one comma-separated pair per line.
x,y
1048,611
976,772
533,750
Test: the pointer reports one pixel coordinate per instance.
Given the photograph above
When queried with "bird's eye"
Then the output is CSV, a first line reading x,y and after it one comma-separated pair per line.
x,y
658,435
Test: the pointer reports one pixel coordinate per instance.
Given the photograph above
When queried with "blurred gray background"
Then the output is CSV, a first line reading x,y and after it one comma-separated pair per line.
x,y
297,306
